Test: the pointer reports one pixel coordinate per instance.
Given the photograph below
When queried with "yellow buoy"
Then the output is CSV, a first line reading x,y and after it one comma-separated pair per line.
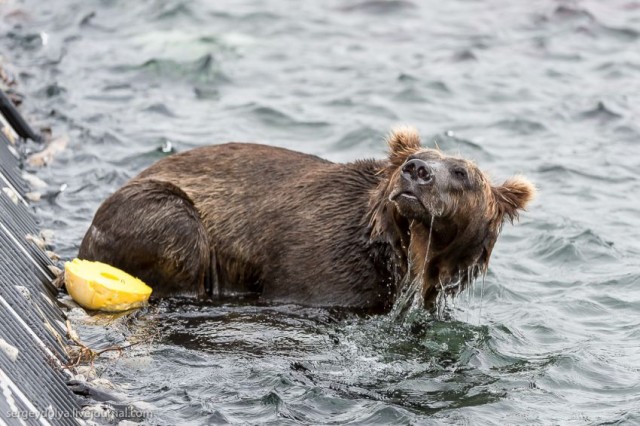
x,y
101,287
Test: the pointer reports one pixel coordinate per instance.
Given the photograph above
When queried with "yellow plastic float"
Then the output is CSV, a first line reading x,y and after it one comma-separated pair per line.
x,y
101,287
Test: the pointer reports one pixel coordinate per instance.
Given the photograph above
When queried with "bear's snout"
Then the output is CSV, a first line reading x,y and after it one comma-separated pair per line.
x,y
418,171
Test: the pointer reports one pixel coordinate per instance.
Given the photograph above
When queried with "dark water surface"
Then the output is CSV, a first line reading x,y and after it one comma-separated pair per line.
x,y
549,89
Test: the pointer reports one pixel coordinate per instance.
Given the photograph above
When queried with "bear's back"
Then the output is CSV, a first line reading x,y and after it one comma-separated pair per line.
x,y
284,224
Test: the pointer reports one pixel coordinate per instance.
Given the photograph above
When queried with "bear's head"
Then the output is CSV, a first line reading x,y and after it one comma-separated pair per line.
x,y
441,213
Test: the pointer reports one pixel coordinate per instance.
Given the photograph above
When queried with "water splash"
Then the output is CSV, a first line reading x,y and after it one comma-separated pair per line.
x,y
410,298
468,293
481,298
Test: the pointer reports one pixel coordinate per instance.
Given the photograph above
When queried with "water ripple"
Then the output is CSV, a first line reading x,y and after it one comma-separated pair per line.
x,y
547,89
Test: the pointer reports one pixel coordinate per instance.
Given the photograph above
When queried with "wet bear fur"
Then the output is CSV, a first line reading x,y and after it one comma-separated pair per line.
x,y
246,219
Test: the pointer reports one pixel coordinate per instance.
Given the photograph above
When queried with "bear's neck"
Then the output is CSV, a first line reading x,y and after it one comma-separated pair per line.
x,y
388,237
411,250
442,257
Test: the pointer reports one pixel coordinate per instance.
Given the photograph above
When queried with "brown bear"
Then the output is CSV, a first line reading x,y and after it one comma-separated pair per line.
x,y
242,219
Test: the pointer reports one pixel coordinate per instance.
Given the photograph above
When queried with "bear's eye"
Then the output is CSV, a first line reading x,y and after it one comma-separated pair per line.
x,y
459,173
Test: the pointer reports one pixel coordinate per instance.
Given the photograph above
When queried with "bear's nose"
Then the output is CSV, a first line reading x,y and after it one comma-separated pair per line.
x,y
418,171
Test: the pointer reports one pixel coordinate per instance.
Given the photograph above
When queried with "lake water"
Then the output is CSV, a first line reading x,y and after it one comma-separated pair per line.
x,y
550,89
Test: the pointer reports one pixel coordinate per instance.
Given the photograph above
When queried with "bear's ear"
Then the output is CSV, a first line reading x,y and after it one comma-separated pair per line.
x,y
512,196
403,141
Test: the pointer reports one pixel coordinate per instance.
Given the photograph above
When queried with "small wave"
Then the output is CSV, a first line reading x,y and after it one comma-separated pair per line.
x,y
465,55
203,69
172,12
622,34
27,40
274,117
413,90
411,95
380,7
252,17
565,13
560,248
600,112
618,69
363,135
160,109
582,21
439,86
450,142
520,126
51,90
558,172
